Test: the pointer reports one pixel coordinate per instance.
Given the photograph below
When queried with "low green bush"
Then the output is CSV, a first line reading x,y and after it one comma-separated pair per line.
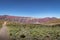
x,y
33,32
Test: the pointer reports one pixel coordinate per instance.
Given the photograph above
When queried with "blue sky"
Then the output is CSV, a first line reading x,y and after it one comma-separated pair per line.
x,y
30,8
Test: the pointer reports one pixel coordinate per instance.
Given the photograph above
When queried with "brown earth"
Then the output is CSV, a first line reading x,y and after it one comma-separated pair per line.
x,y
4,32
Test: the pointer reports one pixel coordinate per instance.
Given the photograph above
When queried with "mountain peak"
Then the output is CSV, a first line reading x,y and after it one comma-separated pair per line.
x,y
26,19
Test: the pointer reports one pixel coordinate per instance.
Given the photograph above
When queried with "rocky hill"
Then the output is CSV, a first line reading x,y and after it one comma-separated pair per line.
x,y
30,20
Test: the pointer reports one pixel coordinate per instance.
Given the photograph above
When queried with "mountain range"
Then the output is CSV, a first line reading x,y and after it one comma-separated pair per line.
x,y
30,20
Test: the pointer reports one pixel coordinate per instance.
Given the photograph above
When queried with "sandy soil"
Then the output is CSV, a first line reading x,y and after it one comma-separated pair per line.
x,y
4,32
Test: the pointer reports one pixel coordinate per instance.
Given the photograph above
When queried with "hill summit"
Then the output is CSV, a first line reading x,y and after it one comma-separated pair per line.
x,y
30,20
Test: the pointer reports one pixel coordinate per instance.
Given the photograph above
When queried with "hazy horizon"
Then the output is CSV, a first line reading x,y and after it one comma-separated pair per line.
x,y
30,8
30,16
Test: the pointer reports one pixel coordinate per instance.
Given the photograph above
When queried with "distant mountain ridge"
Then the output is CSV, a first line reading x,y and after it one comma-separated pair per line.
x,y
27,20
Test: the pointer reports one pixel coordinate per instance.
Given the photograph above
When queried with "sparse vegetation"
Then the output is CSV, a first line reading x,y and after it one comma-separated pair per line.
x,y
33,32
1,22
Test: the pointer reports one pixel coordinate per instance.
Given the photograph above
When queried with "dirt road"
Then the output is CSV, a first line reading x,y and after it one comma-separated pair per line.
x,y
4,32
